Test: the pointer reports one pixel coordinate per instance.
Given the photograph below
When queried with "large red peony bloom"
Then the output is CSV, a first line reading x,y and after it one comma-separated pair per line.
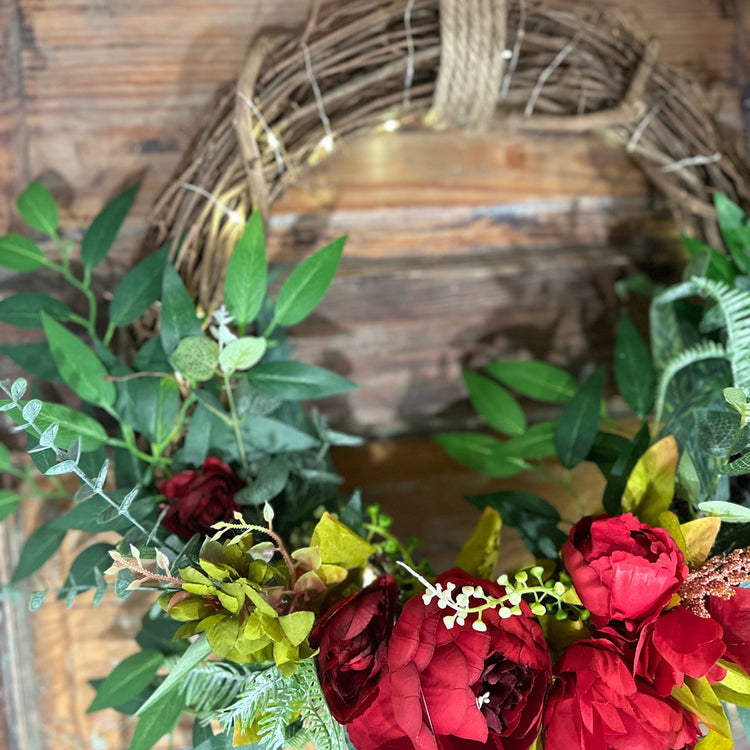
x,y
624,571
596,704
734,617
199,499
353,640
676,644
458,688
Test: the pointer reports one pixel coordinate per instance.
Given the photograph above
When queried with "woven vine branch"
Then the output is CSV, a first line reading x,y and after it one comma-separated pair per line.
x,y
364,64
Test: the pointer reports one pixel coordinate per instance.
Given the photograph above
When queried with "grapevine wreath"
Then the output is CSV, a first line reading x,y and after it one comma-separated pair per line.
x,y
285,615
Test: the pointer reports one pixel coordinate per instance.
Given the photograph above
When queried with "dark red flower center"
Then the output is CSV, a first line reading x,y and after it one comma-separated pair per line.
x,y
503,685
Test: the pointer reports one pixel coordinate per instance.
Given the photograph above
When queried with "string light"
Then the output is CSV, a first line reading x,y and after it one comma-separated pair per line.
x,y
273,141
230,213
326,142
391,125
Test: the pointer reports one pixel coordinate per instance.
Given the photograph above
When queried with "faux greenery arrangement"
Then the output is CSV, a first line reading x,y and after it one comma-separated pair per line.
x,y
286,614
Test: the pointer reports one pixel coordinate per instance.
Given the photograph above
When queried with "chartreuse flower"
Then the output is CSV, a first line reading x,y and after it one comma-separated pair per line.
x,y
253,608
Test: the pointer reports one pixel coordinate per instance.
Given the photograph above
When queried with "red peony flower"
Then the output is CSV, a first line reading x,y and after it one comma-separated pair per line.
x,y
458,688
624,571
596,704
353,641
200,499
676,644
734,617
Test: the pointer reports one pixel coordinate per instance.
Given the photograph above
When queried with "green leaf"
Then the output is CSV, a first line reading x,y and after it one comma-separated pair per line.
x,y
537,380
158,720
196,357
269,482
634,370
717,431
139,289
496,406
5,462
20,254
127,679
35,359
79,366
104,228
482,453
73,424
339,545
297,381
734,230
534,519
307,284
197,441
81,573
737,467
719,267
242,354
622,468
8,503
39,547
736,399
23,310
247,272
37,209
650,487
194,655
149,406
577,427
178,318
537,442
728,512
273,436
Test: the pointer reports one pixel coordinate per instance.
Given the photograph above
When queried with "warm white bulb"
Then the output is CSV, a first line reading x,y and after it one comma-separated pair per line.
x,y
391,125
273,141
326,143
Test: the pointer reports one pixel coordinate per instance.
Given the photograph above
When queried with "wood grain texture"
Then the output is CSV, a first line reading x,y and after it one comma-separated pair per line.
x,y
461,250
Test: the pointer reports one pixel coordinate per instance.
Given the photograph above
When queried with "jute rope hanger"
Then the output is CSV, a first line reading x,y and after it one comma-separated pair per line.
x,y
472,61
440,63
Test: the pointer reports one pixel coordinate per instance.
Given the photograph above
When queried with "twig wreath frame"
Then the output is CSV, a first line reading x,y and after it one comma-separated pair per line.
x,y
362,65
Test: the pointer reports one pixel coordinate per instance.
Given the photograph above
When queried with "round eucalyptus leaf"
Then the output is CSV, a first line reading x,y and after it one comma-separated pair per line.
x,y
196,357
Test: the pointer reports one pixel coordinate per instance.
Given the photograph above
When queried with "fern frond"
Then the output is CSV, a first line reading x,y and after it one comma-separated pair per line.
x,y
706,350
215,685
735,306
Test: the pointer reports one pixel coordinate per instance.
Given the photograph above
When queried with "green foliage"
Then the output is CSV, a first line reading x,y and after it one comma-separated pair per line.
x,y
537,380
246,277
104,228
735,231
577,426
196,357
72,424
297,381
20,254
127,680
178,317
37,208
24,310
271,704
498,408
534,519
624,463
79,367
634,370
8,503
307,284
241,354
482,453
35,359
138,290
